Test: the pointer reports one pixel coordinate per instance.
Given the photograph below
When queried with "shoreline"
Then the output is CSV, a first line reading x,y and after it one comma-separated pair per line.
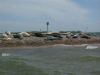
x,y
37,44
45,46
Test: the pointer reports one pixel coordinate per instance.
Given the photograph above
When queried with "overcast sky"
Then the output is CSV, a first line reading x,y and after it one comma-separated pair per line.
x,y
63,15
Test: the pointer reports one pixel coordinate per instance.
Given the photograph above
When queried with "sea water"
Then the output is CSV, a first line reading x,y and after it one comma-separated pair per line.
x,y
55,60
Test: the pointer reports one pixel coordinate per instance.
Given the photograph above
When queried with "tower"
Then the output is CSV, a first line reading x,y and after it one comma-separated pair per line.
x,y
47,23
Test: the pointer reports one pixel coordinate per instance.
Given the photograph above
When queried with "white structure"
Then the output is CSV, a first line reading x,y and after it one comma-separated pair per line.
x,y
6,36
25,34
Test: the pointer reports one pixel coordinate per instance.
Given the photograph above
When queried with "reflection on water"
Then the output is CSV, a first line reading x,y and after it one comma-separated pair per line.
x,y
55,60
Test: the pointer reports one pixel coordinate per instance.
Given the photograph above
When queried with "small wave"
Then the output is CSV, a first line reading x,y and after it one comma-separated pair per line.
x,y
5,54
92,47
86,46
83,45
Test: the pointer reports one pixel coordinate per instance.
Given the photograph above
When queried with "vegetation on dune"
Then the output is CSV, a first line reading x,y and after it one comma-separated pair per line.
x,y
38,34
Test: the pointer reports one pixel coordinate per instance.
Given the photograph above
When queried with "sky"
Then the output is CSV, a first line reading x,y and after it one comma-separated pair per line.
x,y
63,15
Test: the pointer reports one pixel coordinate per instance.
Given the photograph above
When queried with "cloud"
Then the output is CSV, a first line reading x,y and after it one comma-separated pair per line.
x,y
62,14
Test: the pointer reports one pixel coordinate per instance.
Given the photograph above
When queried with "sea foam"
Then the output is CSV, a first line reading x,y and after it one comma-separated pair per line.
x,y
5,54
91,47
